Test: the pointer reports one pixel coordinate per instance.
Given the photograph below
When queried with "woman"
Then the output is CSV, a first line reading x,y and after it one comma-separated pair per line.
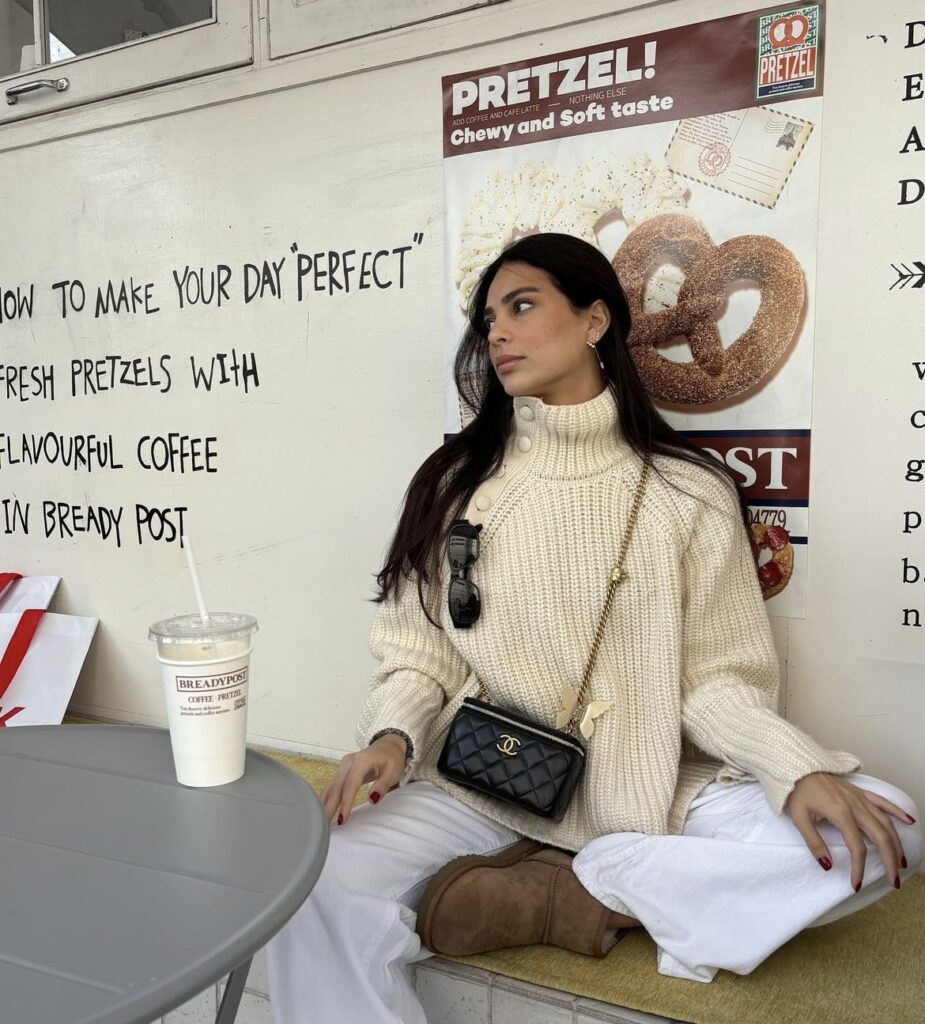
x,y
701,816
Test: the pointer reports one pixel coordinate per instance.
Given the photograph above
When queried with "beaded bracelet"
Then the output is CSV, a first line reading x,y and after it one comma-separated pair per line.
x,y
396,732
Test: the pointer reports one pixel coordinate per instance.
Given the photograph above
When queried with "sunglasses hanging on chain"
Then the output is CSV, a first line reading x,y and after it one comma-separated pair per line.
x,y
464,599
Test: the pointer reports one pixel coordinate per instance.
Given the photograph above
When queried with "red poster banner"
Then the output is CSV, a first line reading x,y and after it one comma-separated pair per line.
x,y
727,64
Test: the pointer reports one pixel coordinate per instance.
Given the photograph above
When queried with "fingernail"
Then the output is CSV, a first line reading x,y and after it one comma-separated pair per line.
x,y
903,863
911,819
825,862
340,819
857,888
374,797
896,882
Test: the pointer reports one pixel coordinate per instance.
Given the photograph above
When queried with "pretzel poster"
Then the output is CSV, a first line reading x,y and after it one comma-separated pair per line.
x,y
690,157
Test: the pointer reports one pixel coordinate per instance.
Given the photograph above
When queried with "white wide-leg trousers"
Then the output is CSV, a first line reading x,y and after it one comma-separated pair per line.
x,y
343,956
739,882
733,888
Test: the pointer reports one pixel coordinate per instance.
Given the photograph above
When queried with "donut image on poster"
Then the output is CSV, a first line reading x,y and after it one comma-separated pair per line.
x,y
773,574
536,197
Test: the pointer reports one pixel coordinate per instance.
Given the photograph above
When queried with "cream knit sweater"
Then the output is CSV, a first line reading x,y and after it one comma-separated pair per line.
x,y
687,657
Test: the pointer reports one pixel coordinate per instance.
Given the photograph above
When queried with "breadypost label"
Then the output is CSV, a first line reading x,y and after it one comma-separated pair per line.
x,y
212,694
788,53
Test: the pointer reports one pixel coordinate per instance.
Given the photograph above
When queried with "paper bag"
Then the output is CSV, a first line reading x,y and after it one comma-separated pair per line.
x,y
17,593
41,655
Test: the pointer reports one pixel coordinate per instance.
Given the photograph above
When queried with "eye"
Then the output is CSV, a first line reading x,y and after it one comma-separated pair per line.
x,y
488,321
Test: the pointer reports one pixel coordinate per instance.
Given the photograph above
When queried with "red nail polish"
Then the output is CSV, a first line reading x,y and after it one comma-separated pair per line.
x,y
896,882
911,819
825,862
340,819
374,797
857,888
903,863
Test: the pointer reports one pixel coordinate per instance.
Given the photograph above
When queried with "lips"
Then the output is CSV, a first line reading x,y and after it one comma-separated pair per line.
x,y
506,362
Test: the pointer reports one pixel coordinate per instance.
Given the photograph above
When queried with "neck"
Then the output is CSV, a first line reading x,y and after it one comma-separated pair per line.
x,y
575,392
568,441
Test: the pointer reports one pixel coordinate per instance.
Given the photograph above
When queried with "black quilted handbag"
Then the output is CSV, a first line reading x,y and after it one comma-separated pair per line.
x,y
522,762
509,757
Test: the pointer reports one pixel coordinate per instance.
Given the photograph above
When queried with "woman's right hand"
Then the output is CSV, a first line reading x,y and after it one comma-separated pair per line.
x,y
381,764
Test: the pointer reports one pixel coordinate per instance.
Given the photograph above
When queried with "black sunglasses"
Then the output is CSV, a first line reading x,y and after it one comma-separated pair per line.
x,y
463,549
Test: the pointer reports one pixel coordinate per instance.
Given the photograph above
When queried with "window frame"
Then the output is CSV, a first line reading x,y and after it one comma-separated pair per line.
x,y
189,51
303,26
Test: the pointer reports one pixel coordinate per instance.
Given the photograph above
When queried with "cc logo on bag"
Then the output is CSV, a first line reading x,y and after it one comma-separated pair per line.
x,y
508,744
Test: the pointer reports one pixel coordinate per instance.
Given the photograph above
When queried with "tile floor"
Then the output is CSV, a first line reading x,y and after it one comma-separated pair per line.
x,y
451,994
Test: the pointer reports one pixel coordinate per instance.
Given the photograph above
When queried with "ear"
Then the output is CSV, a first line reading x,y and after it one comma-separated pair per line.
x,y
599,317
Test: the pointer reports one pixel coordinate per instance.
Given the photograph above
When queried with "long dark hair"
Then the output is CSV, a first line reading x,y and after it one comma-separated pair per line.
x,y
441,489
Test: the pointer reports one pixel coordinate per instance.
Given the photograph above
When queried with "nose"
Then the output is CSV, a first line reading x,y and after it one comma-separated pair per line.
x,y
497,333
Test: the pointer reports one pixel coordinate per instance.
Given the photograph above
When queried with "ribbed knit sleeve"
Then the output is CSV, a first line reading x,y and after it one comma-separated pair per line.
x,y
418,668
730,669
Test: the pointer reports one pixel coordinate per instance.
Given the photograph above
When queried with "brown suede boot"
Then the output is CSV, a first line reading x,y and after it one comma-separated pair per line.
x,y
524,895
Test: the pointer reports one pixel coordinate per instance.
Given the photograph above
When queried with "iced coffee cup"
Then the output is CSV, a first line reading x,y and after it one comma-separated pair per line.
x,y
205,665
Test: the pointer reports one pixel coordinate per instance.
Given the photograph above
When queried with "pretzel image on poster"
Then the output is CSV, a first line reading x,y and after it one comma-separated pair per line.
x,y
715,373
775,574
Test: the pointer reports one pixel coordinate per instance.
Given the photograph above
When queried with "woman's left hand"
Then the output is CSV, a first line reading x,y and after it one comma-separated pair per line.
x,y
855,813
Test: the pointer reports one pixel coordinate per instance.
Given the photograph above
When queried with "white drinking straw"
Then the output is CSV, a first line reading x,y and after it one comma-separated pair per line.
x,y
187,547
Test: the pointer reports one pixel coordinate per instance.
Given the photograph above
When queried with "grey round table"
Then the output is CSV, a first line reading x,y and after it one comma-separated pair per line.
x,y
123,893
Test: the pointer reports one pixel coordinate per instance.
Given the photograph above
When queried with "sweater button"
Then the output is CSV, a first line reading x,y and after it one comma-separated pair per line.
x,y
524,444
483,502
526,413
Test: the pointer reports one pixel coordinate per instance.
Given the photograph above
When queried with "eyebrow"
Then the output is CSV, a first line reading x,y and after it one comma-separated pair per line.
x,y
523,289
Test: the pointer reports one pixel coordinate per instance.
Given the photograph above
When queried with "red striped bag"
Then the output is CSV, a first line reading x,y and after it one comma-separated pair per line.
x,y
17,593
41,655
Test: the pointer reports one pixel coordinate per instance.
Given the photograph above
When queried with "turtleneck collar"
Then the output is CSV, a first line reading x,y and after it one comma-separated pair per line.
x,y
568,440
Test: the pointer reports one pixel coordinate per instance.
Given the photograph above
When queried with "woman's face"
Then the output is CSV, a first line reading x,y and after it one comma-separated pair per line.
x,y
537,343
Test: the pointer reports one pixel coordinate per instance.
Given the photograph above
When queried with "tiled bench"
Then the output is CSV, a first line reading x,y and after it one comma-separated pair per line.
x,y
451,993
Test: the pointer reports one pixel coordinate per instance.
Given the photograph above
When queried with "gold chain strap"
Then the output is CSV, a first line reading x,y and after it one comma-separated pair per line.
x,y
616,578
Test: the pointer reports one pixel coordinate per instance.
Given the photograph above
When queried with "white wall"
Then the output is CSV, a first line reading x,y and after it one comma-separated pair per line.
x,y
856,674
313,463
